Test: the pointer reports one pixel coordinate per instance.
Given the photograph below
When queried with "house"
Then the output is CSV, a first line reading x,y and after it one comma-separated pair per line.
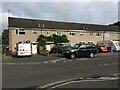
x,y
21,29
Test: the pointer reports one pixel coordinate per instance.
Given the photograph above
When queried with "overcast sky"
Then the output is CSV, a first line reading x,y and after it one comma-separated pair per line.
x,y
82,12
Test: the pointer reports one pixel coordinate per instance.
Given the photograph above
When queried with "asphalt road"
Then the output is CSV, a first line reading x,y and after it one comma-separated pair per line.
x,y
99,72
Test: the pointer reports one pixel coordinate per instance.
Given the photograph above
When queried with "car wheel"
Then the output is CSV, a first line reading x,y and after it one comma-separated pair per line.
x,y
72,56
91,55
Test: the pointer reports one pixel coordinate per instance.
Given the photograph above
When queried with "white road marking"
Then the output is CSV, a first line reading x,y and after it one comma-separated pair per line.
x,y
108,64
44,62
69,81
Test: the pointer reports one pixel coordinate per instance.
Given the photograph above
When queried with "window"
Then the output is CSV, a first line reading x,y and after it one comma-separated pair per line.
x,y
107,35
20,32
98,34
34,32
83,46
59,33
17,31
48,33
114,34
81,33
91,33
72,33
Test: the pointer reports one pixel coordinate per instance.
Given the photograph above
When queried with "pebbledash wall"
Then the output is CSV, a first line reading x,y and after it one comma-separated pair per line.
x,y
21,29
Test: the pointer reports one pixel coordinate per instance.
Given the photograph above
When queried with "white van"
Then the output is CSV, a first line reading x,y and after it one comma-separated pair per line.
x,y
24,49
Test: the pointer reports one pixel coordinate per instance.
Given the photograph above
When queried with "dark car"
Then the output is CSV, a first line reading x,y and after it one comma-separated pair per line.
x,y
79,50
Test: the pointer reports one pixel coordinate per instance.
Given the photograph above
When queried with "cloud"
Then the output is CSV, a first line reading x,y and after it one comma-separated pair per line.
x,y
60,0
85,12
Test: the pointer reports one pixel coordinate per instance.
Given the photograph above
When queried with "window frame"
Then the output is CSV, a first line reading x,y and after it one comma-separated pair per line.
x,y
72,33
91,33
98,34
81,33
48,33
60,33
33,32
18,31
107,34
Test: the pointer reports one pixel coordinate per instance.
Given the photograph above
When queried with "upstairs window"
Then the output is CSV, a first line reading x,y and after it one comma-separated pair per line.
x,y
72,33
59,33
91,33
98,34
20,31
107,35
81,33
114,34
48,33
34,32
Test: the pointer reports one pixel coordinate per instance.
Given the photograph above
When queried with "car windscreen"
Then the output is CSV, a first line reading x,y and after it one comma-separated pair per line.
x,y
83,46
76,46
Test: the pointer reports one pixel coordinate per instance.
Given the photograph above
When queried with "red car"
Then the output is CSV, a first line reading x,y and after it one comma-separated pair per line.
x,y
102,49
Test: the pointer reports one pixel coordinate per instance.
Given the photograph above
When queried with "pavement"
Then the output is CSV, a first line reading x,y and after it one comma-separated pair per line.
x,y
33,59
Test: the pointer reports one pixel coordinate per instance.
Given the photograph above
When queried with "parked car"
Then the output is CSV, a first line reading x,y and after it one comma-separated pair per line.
x,y
80,50
103,49
108,45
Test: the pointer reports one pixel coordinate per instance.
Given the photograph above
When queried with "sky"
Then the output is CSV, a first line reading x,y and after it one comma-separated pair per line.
x,y
90,11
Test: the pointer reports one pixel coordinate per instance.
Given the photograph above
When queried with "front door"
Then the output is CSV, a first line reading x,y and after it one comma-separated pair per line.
x,y
34,48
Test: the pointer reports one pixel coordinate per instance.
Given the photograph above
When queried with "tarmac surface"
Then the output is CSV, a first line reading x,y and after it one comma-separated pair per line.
x,y
56,71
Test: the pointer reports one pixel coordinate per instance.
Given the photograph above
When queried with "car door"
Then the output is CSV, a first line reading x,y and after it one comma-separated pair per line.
x,y
82,51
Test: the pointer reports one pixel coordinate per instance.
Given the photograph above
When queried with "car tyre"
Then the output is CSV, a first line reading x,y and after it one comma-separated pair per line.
x,y
91,55
72,56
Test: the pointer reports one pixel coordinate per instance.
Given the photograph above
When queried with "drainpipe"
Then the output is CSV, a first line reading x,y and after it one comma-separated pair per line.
x,y
103,35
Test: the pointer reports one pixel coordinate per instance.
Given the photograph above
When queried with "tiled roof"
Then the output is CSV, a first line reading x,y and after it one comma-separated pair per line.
x,y
47,24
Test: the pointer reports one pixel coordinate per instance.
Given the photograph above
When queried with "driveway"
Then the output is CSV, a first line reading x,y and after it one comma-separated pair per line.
x,y
34,58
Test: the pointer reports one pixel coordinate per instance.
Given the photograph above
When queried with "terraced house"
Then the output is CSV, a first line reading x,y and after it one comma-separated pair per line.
x,y
21,29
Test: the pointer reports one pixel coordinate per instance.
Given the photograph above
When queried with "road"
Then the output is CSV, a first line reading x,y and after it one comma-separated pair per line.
x,y
98,72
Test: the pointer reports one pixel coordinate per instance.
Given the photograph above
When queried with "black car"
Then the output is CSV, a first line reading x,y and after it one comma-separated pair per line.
x,y
79,50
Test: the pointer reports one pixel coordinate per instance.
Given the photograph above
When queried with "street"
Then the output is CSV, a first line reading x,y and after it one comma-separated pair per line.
x,y
98,72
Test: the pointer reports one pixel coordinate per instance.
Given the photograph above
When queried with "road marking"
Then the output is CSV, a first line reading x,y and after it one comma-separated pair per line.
x,y
74,80
44,62
108,64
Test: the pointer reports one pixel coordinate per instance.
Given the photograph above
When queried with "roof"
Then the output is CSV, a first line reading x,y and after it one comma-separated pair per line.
x,y
47,24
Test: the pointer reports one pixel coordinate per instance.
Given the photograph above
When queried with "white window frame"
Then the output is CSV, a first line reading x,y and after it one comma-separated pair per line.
x,y
48,33
98,34
34,32
72,33
19,31
114,34
107,34
60,33
91,33
81,33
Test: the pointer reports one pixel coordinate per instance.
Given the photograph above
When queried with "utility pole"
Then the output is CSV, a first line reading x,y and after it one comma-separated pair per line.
x,y
8,13
103,35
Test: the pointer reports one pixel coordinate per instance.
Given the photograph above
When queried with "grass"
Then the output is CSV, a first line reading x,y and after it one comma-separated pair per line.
x,y
5,57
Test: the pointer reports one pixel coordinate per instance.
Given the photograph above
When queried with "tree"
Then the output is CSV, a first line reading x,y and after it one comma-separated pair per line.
x,y
115,24
5,37
53,38
60,39
0,40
